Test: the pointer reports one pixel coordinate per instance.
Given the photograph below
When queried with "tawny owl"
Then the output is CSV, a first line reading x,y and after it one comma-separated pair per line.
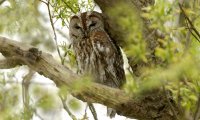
x,y
96,53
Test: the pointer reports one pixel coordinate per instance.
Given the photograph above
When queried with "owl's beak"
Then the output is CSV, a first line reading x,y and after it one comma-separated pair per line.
x,y
86,34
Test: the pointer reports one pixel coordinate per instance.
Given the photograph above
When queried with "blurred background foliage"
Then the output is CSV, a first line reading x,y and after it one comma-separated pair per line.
x,y
22,18
178,51
30,22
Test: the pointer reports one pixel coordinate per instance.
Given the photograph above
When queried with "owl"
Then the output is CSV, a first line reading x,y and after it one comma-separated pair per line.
x,y
96,53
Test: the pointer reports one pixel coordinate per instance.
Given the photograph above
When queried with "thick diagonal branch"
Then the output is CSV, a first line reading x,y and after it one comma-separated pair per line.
x,y
151,106
10,62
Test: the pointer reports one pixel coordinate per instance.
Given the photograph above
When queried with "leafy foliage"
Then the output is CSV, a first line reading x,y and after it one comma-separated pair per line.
x,y
178,50
64,9
22,18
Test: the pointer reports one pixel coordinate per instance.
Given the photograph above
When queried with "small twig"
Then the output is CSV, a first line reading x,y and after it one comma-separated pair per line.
x,y
36,113
93,111
197,112
67,109
25,95
43,2
59,14
171,106
68,6
61,58
54,32
190,29
25,87
85,114
55,20
94,6
190,23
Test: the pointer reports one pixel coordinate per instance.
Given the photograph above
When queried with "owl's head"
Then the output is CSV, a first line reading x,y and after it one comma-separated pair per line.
x,y
82,25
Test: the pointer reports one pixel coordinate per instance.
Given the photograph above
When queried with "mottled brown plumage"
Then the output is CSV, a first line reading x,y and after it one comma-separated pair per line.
x,y
95,52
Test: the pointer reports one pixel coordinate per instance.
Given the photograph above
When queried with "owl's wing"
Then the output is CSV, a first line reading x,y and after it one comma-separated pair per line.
x,y
102,44
110,57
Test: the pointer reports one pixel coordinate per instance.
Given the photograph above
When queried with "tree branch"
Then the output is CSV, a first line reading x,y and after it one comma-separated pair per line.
x,y
190,26
54,32
9,62
66,108
151,106
25,94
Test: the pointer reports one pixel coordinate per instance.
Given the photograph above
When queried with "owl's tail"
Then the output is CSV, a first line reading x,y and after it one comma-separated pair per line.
x,y
111,112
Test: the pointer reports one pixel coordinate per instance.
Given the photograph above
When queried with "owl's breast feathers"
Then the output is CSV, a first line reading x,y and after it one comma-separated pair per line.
x,y
100,57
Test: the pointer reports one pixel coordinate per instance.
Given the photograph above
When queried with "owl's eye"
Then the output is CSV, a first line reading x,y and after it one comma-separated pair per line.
x,y
77,27
92,24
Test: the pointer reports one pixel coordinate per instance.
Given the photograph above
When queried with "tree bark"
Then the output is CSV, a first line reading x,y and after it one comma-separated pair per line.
x,y
154,106
116,29
117,33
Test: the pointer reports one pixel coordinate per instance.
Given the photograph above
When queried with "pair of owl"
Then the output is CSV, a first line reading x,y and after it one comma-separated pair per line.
x,y
96,52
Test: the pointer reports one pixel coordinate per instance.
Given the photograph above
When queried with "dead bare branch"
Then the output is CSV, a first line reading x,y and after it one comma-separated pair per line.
x,y
9,62
25,93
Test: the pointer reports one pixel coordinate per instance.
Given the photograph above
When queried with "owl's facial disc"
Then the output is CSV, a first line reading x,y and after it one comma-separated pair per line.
x,y
92,23
77,27
83,25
